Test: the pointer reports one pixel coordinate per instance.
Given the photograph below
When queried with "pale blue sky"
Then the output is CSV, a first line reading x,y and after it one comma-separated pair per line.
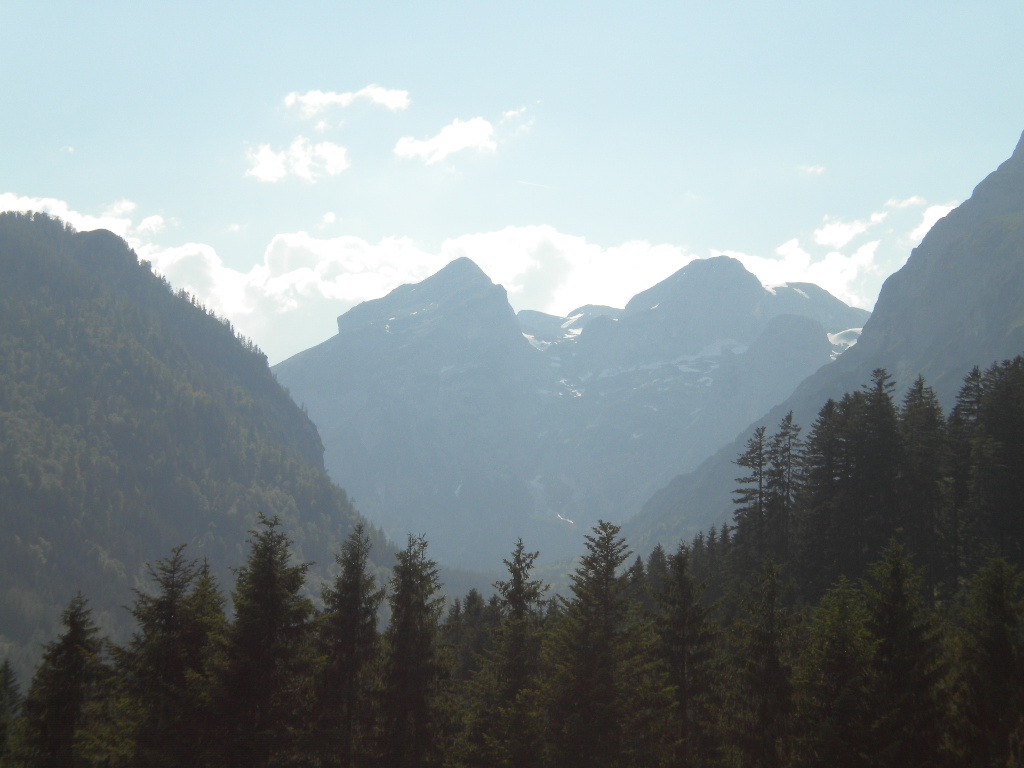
x,y
577,151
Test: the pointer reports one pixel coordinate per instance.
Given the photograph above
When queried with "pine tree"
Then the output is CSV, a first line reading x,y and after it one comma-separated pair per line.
x,y
64,684
414,719
922,480
820,534
906,667
781,482
751,503
686,643
760,708
349,644
991,666
602,700
10,709
259,673
499,722
162,665
832,681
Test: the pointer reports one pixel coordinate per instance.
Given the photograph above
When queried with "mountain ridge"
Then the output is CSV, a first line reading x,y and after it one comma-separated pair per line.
x,y
958,302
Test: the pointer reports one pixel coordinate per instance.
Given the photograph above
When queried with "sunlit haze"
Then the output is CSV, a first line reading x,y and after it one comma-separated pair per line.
x,y
285,162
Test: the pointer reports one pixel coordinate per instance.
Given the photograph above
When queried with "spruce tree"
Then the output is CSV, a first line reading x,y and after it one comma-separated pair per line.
x,y
163,664
832,682
751,503
414,719
65,683
782,477
348,642
907,667
10,709
991,666
687,639
499,722
603,703
760,706
261,669
922,485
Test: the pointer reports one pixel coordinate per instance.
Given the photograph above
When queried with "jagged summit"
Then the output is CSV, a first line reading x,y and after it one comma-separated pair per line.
x,y
698,284
459,288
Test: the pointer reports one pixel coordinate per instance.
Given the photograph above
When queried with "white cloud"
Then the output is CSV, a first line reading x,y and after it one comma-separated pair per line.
x,y
303,158
329,218
931,215
811,170
836,233
114,217
312,103
906,203
472,134
151,225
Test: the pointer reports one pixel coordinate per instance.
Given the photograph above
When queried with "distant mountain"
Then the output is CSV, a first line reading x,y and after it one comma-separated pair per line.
x,y
957,303
131,421
443,413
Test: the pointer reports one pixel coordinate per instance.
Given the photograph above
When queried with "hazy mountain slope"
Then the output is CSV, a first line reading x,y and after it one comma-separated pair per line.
x,y
420,396
442,414
131,421
958,302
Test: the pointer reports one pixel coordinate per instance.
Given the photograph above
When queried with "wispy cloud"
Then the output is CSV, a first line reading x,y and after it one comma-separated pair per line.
x,y
312,103
909,202
811,170
477,134
836,233
303,158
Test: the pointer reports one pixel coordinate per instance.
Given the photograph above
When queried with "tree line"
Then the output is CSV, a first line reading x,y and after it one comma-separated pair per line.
x,y
634,667
863,608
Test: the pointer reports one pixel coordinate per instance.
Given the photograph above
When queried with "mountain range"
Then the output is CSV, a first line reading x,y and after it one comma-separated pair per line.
x,y
443,412
957,303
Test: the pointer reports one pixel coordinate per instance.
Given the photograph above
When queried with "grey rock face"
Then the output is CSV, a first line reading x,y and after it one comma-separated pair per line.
x,y
443,413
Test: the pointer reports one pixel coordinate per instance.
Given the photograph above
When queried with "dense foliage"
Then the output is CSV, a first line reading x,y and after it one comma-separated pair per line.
x,y
763,644
131,420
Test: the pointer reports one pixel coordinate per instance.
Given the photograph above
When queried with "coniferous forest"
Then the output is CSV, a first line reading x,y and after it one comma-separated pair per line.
x,y
864,608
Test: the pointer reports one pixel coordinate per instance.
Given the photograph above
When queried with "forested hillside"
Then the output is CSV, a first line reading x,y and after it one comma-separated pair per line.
x,y
865,608
131,421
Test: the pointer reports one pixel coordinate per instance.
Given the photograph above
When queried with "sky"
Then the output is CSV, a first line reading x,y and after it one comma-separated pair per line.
x,y
283,162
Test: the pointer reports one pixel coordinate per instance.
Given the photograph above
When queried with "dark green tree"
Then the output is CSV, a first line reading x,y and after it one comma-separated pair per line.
x,y
604,703
907,667
499,723
65,683
759,709
10,709
687,639
832,679
260,674
751,503
348,642
922,482
414,716
991,666
163,664
782,477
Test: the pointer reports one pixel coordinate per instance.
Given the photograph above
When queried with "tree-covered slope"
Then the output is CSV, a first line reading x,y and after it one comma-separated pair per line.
x,y
957,303
132,420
